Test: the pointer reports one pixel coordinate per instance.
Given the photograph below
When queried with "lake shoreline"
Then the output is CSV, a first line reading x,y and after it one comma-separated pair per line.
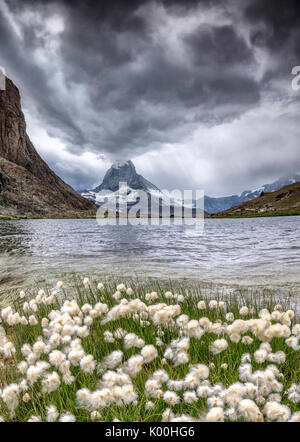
x,y
213,216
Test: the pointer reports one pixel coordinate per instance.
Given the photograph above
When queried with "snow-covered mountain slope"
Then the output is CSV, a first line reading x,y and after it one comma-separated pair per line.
x,y
134,193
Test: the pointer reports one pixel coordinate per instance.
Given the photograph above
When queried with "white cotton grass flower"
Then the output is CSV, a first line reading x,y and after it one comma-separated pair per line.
x,y
34,419
23,385
277,412
215,414
121,287
22,367
22,294
86,282
59,284
67,417
149,405
295,417
229,317
177,385
52,413
38,347
260,356
247,340
151,385
201,305
87,364
24,320
235,337
248,410
75,356
68,379
215,401
26,398
171,398
86,308
296,330
279,357
244,311
10,396
204,391
117,295
222,305
167,415
33,374
213,304
218,346
274,397
114,359
132,340
293,342
181,358
294,397
32,320
200,371
149,352
56,357
161,375
100,286
50,382
276,315
8,350
216,328
129,291
134,365
120,333
190,397
108,337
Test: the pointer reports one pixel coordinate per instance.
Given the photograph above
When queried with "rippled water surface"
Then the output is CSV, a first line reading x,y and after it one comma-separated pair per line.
x,y
230,251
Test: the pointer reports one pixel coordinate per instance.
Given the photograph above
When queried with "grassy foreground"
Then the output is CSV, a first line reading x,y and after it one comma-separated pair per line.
x,y
143,353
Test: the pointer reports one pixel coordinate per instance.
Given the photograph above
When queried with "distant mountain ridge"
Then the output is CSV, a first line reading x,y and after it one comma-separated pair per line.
x,y
219,204
284,201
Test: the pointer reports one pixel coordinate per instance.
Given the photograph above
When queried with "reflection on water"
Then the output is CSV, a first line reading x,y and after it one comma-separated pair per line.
x,y
231,251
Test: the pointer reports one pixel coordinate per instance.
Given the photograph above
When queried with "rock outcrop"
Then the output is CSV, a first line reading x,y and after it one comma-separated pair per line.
x,y
27,185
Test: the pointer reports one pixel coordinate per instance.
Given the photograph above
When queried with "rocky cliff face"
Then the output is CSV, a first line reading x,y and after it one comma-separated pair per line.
x,y
27,185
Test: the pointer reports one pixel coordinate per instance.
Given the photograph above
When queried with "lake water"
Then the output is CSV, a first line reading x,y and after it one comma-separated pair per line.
x,y
257,251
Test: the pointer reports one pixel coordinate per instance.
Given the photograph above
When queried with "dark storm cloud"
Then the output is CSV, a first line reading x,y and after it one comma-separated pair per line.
x,y
276,28
122,79
31,78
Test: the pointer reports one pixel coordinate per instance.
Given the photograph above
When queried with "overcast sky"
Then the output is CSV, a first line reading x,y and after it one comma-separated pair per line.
x,y
196,93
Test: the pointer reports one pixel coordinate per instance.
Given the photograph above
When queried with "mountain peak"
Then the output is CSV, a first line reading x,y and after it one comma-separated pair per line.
x,y
123,171
123,164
